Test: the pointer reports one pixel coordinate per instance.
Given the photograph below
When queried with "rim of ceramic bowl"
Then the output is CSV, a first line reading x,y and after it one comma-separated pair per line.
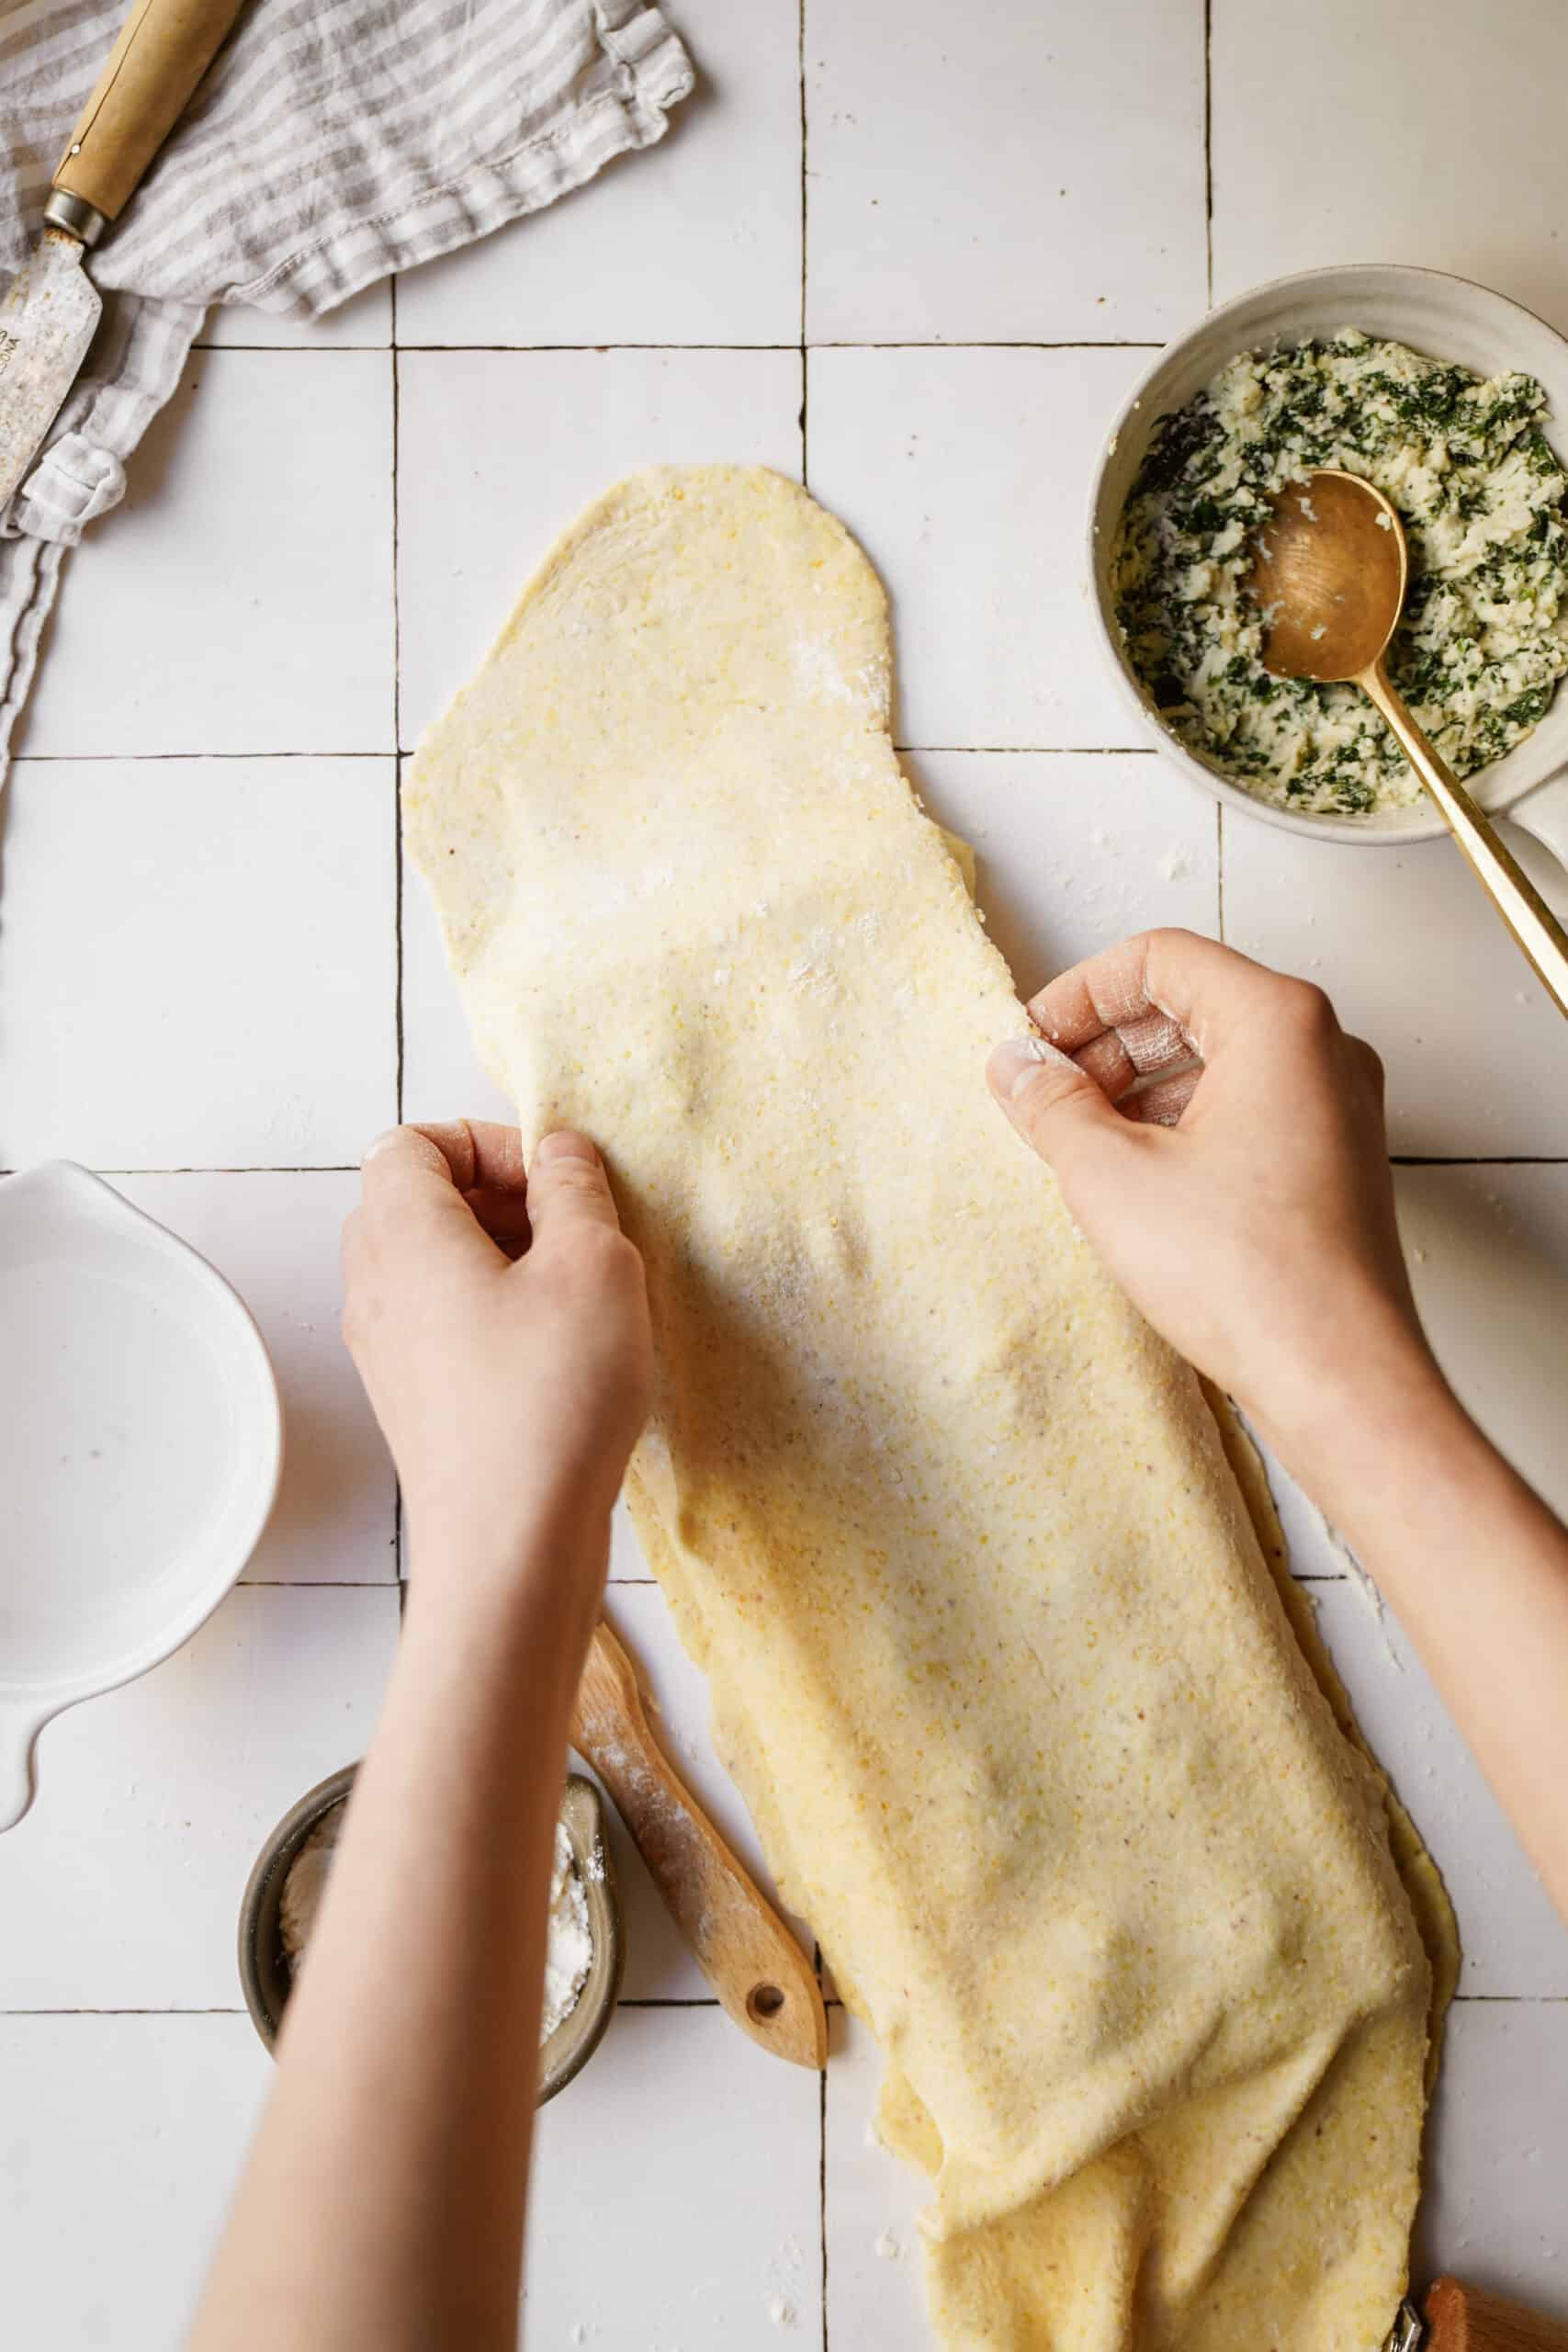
x,y
564,2053
1529,767
265,1973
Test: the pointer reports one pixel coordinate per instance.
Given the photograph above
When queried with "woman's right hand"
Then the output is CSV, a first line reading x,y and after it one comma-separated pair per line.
x,y
1220,1140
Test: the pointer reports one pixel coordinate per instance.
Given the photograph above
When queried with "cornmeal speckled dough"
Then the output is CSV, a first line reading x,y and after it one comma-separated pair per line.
x,y
989,1634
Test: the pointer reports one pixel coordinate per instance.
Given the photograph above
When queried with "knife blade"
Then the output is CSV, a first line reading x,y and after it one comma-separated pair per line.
x,y
52,309
50,317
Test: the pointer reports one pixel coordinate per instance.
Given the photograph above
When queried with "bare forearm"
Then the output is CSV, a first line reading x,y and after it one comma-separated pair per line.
x,y
1474,1565
384,2199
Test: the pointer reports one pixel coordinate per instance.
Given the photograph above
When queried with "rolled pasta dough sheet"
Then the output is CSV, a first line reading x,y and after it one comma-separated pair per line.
x,y
993,1652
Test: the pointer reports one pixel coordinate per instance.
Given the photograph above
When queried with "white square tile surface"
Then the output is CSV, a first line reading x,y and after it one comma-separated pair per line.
x,y
1512,1941
198,973
1494,2210
241,600
1416,962
481,504
276,1237
1025,175
121,1888
874,2295
1075,850
1394,133
675,2196
963,474
120,2140
207,953
443,1077
1488,1252
697,239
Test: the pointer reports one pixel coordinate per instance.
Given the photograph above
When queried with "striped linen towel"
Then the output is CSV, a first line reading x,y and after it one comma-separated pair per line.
x,y
331,143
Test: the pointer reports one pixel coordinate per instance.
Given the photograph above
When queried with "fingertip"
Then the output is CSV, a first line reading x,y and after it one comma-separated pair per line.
x,y
566,1143
385,1141
568,1184
1016,1064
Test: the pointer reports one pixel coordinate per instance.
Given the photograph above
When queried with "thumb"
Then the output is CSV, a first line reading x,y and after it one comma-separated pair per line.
x,y
568,1189
1055,1106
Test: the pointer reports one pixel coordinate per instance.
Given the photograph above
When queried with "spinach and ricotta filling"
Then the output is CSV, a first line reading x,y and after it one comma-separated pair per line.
x,y
1485,636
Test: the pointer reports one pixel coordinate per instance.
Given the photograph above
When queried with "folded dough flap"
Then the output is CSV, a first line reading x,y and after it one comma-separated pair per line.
x,y
993,1652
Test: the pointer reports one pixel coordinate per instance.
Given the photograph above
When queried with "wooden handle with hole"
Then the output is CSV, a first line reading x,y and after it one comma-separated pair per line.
x,y
762,1978
1465,2319
164,47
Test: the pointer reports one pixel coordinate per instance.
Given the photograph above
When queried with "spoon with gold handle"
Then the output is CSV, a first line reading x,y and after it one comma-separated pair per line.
x,y
1329,570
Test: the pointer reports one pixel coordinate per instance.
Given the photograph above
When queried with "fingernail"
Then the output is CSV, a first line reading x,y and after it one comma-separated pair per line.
x,y
1016,1062
565,1143
382,1143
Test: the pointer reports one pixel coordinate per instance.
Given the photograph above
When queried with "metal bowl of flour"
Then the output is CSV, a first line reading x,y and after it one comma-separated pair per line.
x,y
266,1974
1448,317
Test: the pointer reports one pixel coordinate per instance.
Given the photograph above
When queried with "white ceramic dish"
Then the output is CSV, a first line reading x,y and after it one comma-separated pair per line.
x,y
141,1442
1447,317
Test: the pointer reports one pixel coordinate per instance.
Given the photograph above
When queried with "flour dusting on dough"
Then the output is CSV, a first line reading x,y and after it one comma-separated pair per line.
x,y
1042,1675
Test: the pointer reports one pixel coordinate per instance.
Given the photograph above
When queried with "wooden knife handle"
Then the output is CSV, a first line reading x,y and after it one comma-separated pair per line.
x,y
164,47
1465,2319
762,1978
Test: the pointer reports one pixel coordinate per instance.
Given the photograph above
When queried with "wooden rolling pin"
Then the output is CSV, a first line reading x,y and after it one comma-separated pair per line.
x,y
1465,2319
762,1978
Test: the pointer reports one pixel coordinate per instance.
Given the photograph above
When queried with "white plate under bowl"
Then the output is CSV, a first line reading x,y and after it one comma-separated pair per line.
x,y
141,1442
1448,318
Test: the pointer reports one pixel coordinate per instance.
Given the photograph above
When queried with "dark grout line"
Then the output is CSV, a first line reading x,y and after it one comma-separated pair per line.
x,y
314,1171
292,350
316,1584
396,521
656,2004
1522,2000
804,231
1000,343
597,350
399,1565
822,2190
1479,1160
814,343
1209,149
104,759
1039,750
398,929
175,2012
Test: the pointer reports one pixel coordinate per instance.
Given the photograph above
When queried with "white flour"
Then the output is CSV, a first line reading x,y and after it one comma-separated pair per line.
x,y
569,1950
306,1883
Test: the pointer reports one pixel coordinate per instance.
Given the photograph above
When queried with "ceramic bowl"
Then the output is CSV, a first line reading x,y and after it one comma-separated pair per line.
x,y
140,1443
1447,317
265,1970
